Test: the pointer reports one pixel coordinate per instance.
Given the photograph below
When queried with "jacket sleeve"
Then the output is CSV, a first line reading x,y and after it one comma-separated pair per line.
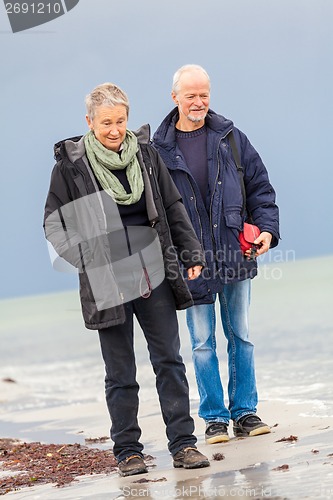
x,y
60,220
260,194
182,233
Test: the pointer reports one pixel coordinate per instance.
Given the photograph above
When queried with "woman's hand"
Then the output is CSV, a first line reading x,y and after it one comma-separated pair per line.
x,y
193,272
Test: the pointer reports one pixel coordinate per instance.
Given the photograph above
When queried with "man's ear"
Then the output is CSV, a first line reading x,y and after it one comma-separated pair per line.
x,y
174,98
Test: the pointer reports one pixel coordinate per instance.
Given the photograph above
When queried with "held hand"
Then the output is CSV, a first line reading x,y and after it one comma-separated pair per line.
x,y
193,272
263,241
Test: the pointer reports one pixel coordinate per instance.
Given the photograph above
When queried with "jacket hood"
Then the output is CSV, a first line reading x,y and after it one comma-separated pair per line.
x,y
165,135
73,147
143,134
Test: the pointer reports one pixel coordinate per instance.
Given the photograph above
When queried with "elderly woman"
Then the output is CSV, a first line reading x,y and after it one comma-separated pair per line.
x,y
114,213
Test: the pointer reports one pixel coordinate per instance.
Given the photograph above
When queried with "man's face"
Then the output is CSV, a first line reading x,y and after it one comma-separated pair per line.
x,y
192,100
109,126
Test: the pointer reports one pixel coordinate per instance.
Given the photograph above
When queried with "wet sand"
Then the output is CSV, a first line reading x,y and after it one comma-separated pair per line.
x,y
258,467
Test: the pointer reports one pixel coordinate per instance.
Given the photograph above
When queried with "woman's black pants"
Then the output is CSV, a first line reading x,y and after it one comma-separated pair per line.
x,y
158,320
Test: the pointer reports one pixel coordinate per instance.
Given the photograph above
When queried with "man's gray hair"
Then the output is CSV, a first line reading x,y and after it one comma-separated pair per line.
x,y
187,68
106,94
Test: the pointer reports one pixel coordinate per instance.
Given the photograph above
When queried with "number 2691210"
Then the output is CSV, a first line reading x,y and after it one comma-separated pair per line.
x,y
33,8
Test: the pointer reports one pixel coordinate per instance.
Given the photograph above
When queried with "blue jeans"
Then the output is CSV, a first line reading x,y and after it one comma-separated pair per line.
x,y
201,320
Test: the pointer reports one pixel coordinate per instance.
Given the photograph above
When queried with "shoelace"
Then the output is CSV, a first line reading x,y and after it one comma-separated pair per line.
x,y
216,425
127,459
250,418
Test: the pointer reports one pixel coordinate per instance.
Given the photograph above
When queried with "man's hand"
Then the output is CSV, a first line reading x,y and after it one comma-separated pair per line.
x,y
263,241
193,272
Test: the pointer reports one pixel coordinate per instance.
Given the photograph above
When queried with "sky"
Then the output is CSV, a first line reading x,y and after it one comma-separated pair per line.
x,y
271,69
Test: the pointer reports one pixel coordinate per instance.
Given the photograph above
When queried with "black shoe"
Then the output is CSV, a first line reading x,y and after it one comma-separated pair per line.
x,y
250,425
190,458
216,432
131,465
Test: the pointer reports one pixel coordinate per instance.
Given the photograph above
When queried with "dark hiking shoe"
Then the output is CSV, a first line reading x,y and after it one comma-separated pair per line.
x,y
190,458
250,425
131,465
216,432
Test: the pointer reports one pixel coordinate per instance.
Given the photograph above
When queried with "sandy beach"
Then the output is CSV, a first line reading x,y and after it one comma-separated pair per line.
x,y
57,395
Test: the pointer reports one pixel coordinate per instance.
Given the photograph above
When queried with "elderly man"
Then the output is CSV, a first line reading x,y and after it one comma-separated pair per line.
x,y
200,149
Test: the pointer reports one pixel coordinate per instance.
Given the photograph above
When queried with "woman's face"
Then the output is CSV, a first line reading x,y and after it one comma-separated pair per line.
x,y
109,126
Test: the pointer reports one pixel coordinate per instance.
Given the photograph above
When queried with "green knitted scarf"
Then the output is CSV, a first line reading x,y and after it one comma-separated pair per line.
x,y
103,161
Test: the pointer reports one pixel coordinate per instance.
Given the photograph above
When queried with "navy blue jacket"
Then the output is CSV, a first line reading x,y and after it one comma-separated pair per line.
x,y
218,219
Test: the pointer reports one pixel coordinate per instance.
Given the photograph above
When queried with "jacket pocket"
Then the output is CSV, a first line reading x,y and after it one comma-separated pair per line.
x,y
200,290
233,220
230,238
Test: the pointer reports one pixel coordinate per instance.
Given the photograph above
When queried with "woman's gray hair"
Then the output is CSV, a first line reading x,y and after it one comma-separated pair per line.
x,y
187,68
106,94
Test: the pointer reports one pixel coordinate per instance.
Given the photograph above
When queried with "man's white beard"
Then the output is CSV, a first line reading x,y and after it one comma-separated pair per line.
x,y
191,118
195,119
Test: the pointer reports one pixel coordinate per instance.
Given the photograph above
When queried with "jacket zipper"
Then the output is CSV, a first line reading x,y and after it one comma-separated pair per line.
x,y
196,209
153,180
216,179
211,201
152,224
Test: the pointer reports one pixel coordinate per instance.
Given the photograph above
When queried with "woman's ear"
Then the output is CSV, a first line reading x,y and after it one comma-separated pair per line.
x,y
90,123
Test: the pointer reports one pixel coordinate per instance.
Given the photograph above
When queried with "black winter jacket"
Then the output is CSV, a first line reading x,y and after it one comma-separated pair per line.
x,y
72,179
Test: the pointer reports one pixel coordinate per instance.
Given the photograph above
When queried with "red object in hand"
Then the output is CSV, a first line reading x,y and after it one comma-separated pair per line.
x,y
247,237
